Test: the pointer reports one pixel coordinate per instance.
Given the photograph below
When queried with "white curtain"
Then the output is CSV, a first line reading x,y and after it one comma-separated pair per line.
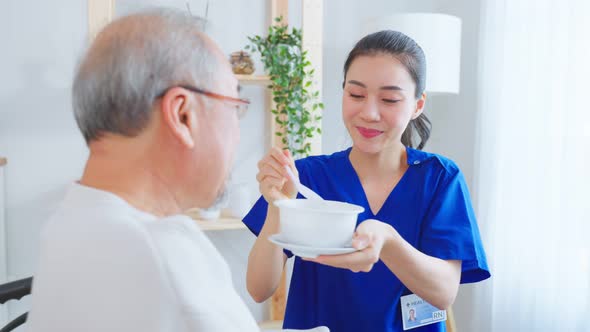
x,y
533,177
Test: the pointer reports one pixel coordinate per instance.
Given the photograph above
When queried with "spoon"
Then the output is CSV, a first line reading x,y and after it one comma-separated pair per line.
x,y
308,193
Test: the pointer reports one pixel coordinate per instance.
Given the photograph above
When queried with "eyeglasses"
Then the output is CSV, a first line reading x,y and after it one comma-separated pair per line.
x,y
240,104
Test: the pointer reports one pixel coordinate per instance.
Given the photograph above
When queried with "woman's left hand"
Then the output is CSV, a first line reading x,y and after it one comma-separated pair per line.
x,y
369,238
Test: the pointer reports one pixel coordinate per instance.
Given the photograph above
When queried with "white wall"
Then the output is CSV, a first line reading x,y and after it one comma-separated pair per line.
x,y
2,239
45,151
37,133
455,135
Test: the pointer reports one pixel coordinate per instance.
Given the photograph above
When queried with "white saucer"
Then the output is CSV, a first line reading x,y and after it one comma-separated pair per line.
x,y
308,252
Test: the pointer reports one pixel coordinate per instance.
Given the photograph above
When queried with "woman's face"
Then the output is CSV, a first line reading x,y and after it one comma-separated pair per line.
x,y
378,102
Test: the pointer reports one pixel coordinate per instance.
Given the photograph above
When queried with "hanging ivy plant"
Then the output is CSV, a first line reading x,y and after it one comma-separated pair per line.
x,y
296,107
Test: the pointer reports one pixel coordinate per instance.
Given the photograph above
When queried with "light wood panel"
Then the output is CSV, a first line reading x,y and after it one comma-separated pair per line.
x,y
450,323
278,301
278,8
100,13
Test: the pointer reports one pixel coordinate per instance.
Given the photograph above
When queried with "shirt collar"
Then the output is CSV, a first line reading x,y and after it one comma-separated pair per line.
x,y
414,157
82,195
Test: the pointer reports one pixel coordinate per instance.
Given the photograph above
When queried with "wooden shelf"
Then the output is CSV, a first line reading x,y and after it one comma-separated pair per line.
x,y
254,79
222,224
2,161
271,325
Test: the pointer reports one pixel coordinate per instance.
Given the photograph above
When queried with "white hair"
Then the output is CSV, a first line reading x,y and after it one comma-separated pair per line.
x,y
134,60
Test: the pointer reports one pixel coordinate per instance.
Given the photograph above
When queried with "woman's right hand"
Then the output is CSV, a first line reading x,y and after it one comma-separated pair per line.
x,y
273,180
267,260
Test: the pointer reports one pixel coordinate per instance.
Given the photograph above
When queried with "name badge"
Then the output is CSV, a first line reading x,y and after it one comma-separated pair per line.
x,y
416,312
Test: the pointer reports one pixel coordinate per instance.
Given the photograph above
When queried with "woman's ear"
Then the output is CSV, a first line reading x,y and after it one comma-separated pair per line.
x,y
177,115
419,106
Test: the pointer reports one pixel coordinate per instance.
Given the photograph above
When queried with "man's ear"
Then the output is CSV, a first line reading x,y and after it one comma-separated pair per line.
x,y
177,115
419,106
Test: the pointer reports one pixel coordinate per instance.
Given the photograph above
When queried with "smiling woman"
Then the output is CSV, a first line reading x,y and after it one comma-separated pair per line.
x,y
418,232
409,70
381,102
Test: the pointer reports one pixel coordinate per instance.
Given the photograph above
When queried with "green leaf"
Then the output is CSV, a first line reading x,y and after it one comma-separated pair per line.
x,y
286,63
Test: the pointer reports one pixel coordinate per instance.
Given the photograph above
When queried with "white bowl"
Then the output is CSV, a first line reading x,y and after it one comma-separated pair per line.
x,y
320,224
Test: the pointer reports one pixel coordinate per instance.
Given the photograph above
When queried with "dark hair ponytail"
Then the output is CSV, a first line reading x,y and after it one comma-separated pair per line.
x,y
409,53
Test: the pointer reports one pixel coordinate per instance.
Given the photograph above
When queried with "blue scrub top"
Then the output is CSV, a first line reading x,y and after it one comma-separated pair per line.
x,y
430,208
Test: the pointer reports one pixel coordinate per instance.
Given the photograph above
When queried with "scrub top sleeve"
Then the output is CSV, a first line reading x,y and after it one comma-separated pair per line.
x,y
450,231
254,220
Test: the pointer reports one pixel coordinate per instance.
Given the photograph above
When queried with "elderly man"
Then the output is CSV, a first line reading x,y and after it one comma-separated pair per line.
x,y
158,106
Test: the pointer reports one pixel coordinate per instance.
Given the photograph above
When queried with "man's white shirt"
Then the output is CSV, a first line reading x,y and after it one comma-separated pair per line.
x,y
106,266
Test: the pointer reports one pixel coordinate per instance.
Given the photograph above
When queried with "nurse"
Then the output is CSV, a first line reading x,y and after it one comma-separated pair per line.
x,y
418,237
